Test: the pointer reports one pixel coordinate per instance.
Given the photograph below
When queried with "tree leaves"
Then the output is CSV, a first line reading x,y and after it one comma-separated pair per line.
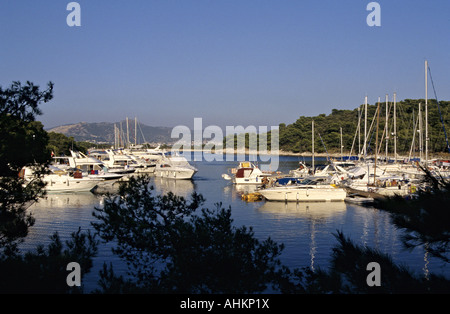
x,y
172,248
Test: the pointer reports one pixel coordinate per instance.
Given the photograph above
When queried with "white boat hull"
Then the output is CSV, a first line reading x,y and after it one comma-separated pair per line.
x,y
254,180
385,191
173,173
56,183
106,176
149,169
360,200
304,194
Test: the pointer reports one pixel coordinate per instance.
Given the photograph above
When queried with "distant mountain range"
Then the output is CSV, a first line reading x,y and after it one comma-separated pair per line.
x,y
103,132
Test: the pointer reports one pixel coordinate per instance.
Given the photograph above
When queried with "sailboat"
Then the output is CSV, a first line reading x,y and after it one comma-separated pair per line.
x,y
311,189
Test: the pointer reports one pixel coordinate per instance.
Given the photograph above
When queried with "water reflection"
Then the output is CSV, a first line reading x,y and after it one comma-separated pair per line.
x,y
309,225
111,187
183,188
312,210
306,229
235,191
246,188
60,212
425,269
65,200
313,246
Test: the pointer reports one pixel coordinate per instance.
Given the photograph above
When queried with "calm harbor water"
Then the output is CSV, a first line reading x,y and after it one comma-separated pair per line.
x,y
306,229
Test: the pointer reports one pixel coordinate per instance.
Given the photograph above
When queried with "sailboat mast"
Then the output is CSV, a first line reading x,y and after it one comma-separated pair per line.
x,y
395,127
115,136
376,144
386,130
312,127
414,136
128,136
359,132
121,135
420,133
365,127
426,112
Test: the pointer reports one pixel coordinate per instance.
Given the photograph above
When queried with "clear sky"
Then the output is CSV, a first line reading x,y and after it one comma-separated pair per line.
x,y
230,62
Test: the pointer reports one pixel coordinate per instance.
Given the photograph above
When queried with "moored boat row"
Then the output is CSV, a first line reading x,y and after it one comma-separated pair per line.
x,y
102,169
356,182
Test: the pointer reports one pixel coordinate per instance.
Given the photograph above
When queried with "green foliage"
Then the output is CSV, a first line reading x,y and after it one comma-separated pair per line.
x,y
22,140
22,143
348,273
251,141
44,271
172,249
425,222
296,137
425,219
61,144
15,198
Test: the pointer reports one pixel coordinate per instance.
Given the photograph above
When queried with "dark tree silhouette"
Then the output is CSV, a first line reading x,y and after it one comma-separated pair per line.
x,y
172,247
23,142
425,219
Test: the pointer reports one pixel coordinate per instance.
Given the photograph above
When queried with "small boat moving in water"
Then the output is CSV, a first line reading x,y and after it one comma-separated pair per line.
x,y
247,173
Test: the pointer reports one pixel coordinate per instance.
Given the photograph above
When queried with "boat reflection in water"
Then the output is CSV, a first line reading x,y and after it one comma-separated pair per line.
x,y
246,188
161,185
313,210
60,212
66,200
308,223
182,188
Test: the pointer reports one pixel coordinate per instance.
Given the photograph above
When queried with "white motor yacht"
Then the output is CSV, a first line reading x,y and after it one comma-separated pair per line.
x,y
59,180
301,171
88,165
143,165
247,173
119,163
386,186
174,167
308,190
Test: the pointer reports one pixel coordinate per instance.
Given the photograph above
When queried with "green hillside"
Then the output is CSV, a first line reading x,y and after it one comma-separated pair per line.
x,y
103,132
296,137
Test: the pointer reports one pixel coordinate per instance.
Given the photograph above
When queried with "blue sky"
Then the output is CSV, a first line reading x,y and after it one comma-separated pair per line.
x,y
230,62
